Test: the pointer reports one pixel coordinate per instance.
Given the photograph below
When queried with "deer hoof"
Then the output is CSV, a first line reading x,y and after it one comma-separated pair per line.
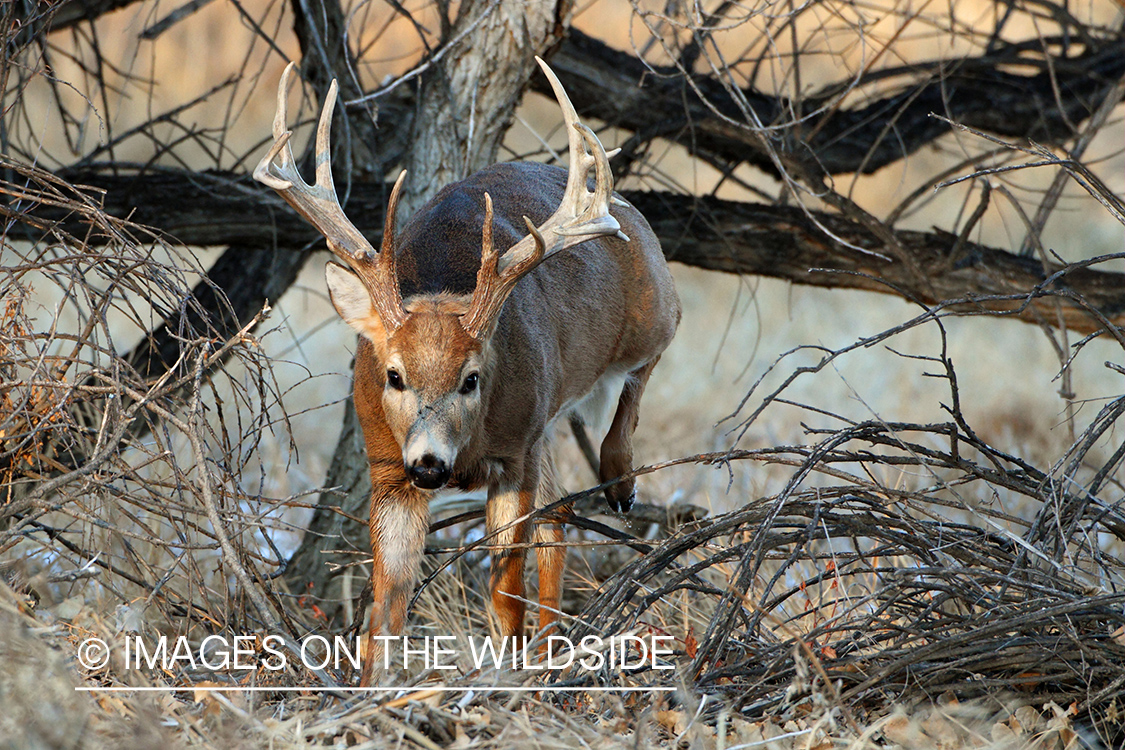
x,y
620,497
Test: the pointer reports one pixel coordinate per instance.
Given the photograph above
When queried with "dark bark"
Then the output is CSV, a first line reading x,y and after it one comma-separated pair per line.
x,y
267,246
62,15
240,282
615,86
992,92
321,29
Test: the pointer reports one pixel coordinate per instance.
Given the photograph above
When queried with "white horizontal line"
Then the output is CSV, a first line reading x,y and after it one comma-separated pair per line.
x,y
418,689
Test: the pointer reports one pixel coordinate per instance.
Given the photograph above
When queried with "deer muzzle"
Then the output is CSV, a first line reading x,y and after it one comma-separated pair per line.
x,y
429,472
428,454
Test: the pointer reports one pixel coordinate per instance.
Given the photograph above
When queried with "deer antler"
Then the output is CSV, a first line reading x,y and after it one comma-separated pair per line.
x,y
321,208
582,215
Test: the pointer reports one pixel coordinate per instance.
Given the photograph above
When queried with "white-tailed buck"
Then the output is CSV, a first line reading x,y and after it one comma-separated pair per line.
x,y
507,301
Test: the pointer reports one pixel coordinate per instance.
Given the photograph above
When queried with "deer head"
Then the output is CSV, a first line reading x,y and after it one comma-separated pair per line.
x,y
435,353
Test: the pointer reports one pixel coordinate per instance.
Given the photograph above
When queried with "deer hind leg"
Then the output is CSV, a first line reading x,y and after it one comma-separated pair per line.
x,y
617,448
398,523
551,557
506,503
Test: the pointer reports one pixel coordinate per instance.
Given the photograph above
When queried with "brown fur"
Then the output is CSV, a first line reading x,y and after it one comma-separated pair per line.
x,y
467,358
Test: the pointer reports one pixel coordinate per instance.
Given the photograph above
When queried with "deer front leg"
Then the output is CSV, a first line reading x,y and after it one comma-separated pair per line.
x,y
506,503
551,559
398,522
617,448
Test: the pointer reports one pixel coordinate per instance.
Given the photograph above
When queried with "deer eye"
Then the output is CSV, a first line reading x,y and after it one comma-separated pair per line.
x,y
470,384
394,380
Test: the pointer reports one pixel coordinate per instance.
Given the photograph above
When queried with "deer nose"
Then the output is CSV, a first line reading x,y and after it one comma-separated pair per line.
x,y
429,472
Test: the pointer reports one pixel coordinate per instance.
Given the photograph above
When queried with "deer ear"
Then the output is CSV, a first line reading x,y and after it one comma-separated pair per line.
x,y
353,302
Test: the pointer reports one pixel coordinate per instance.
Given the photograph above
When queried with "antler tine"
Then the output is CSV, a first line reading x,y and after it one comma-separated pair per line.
x,y
591,210
580,159
281,111
591,216
320,206
324,179
390,220
488,255
281,136
382,278
581,214
493,286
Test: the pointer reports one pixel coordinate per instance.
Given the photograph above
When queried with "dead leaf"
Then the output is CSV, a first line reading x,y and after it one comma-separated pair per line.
x,y
672,721
200,692
902,730
1025,720
1003,735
